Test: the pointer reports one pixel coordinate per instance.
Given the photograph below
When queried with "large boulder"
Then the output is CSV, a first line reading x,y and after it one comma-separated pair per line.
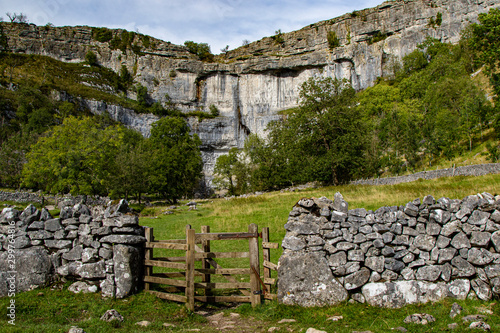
x,y
305,279
33,268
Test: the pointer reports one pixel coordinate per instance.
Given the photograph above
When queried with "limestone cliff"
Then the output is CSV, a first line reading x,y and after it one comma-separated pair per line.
x,y
251,84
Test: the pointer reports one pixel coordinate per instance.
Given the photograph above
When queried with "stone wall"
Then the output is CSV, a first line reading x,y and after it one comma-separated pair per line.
x,y
100,247
424,251
468,170
60,200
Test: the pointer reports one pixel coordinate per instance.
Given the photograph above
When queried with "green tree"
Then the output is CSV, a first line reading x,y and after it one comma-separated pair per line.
x,y
175,160
202,50
13,157
73,157
130,174
231,172
323,140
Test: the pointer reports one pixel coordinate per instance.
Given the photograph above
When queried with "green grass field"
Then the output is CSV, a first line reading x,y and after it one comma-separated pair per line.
x,y
48,310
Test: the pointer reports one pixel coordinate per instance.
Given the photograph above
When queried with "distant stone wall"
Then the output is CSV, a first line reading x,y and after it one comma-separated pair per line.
x,y
100,247
61,200
468,170
424,251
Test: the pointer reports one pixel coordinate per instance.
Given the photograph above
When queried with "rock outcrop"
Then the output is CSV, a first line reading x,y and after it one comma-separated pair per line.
x,y
251,84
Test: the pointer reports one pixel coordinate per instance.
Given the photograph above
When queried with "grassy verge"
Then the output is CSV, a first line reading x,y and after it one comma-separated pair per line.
x,y
49,310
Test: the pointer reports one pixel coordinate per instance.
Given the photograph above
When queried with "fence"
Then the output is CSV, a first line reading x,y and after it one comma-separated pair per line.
x,y
180,278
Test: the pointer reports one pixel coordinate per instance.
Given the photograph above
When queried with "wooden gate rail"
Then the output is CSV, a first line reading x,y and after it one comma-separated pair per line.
x,y
186,265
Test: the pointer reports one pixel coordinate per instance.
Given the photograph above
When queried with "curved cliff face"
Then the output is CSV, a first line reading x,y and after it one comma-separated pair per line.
x,y
251,84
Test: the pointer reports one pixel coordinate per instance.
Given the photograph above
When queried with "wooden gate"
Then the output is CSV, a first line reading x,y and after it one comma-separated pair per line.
x,y
181,271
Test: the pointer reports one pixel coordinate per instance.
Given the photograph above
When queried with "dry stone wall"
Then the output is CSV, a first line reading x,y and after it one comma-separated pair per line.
x,y
424,251
101,248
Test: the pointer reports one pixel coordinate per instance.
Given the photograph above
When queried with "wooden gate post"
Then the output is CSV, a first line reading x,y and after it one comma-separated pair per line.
x,y
253,244
266,254
148,233
206,278
190,241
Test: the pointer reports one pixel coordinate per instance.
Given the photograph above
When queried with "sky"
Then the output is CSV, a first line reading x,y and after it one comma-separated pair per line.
x,y
216,22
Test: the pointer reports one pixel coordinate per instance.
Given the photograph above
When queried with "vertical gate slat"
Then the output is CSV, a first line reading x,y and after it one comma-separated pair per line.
x,y
206,263
266,254
254,263
190,241
148,255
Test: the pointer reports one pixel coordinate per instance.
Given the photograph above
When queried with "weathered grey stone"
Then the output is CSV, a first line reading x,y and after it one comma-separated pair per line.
x,y
338,216
479,257
456,309
351,267
108,286
58,243
299,228
66,213
375,263
357,279
37,225
9,214
478,217
445,255
70,221
410,231
419,318
463,267
424,242
389,275
495,216
305,279
492,271
74,254
69,269
393,265
388,251
53,225
451,228
339,204
359,238
345,246
92,270
408,274
123,239
82,287
428,273
482,289
433,229
293,243
355,255
459,289
428,200
111,315
446,271
337,259
408,258
400,293
439,216
411,209
480,325
89,255
32,267
417,263
127,268
495,239
460,241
